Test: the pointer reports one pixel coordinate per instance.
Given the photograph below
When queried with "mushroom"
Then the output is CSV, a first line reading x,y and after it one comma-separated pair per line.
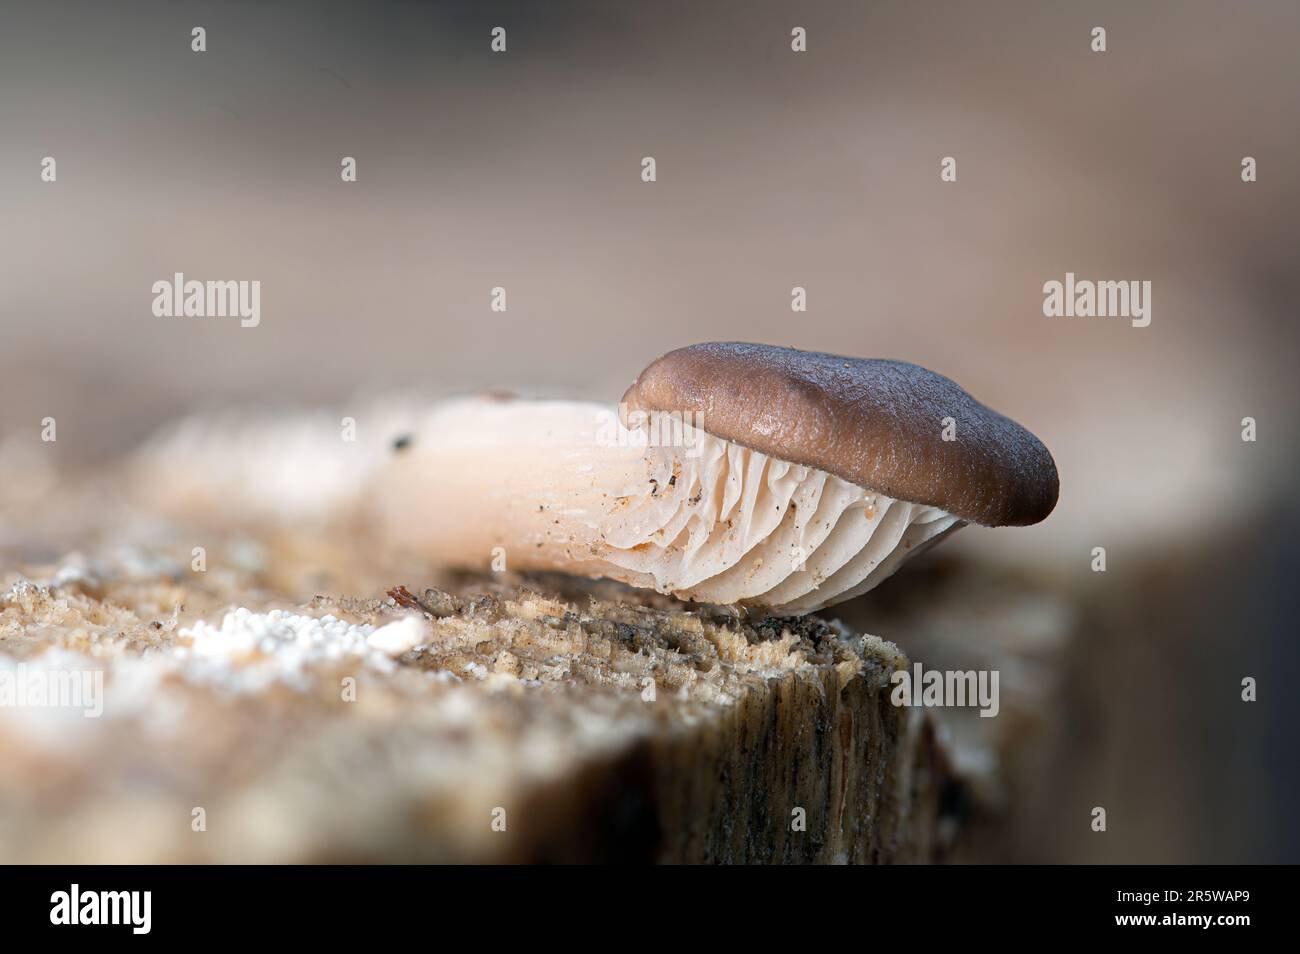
x,y
739,474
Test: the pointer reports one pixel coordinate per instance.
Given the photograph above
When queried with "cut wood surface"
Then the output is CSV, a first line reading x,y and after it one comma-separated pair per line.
x,y
550,720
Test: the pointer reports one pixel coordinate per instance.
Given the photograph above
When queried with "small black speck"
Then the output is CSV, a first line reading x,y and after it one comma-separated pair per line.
x,y
402,443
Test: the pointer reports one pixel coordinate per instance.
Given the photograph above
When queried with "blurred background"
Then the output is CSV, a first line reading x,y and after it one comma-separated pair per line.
x,y
775,169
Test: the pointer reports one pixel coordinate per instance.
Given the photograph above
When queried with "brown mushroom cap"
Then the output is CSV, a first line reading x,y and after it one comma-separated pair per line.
x,y
876,423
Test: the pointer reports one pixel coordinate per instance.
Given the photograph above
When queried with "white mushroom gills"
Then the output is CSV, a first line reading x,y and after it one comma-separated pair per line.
x,y
562,485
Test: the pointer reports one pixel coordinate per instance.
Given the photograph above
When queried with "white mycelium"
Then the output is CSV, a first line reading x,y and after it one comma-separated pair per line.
x,y
563,486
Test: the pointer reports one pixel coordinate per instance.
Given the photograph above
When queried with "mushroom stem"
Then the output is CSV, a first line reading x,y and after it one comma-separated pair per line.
x,y
538,479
